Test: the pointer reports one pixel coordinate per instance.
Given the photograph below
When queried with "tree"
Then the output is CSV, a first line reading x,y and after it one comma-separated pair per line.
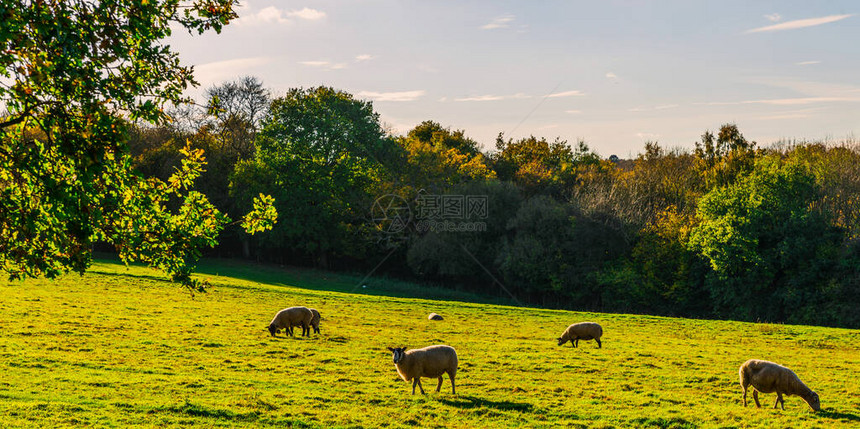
x,y
238,108
434,159
319,154
725,157
535,165
432,133
761,236
74,73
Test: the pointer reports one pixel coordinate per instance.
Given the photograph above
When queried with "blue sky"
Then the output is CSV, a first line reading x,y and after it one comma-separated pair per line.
x,y
614,73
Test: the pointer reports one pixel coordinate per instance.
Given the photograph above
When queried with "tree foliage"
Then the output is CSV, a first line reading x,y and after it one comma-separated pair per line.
x,y
318,154
238,109
73,74
758,231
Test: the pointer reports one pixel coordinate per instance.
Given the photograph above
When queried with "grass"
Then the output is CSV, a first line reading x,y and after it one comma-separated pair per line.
x,y
122,347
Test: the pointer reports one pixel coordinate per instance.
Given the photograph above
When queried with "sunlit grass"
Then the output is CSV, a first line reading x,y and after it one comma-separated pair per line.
x,y
121,347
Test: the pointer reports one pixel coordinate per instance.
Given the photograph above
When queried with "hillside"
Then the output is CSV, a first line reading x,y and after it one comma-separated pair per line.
x,y
123,347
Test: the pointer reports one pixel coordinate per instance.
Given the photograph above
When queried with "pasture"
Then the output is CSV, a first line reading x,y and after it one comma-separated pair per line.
x,y
123,347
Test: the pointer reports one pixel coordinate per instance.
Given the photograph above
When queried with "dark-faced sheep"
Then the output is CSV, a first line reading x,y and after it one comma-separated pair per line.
x,y
431,362
768,377
289,317
315,321
581,331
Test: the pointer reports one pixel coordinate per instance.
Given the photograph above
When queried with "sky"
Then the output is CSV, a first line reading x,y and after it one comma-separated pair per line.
x,y
615,74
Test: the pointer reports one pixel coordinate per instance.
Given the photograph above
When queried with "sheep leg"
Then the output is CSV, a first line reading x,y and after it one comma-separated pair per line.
x,y
755,396
779,400
439,386
573,343
417,380
451,376
745,395
599,346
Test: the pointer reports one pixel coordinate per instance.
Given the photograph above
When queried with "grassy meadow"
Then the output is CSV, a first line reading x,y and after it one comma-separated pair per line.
x,y
123,347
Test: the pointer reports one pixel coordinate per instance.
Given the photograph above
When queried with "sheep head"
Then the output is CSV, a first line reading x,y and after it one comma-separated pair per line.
x,y
272,330
561,340
399,353
813,401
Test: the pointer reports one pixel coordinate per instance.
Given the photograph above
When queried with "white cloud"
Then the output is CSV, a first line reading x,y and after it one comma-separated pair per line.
x,y
790,114
786,101
500,22
481,98
393,96
658,107
315,63
442,99
610,75
774,17
807,63
306,13
783,116
494,97
428,68
272,14
327,65
809,88
363,57
211,73
565,94
573,112
800,23
647,136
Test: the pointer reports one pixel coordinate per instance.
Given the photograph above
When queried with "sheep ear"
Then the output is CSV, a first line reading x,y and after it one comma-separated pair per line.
x,y
389,348
403,348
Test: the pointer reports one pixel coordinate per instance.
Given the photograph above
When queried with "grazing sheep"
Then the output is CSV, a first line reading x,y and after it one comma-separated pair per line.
x,y
315,321
581,331
431,362
768,377
434,316
289,317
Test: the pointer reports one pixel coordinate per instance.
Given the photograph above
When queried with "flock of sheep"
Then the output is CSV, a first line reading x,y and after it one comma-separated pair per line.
x,y
436,361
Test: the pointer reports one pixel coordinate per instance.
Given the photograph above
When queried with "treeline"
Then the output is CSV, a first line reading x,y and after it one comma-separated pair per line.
x,y
729,230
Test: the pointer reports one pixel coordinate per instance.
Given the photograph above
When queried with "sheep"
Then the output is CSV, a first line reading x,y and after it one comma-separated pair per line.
x,y
315,321
431,362
581,331
289,317
434,316
768,377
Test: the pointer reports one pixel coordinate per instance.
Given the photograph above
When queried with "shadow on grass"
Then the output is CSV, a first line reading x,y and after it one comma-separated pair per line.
x,y
157,278
839,416
468,402
311,279
663,423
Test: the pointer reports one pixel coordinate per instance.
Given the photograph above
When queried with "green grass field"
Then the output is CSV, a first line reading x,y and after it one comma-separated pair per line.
x,y
123,347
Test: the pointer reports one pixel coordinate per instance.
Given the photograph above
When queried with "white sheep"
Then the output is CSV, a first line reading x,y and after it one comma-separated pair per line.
x,y
289,317
768,377
431,362
315,321
581,331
